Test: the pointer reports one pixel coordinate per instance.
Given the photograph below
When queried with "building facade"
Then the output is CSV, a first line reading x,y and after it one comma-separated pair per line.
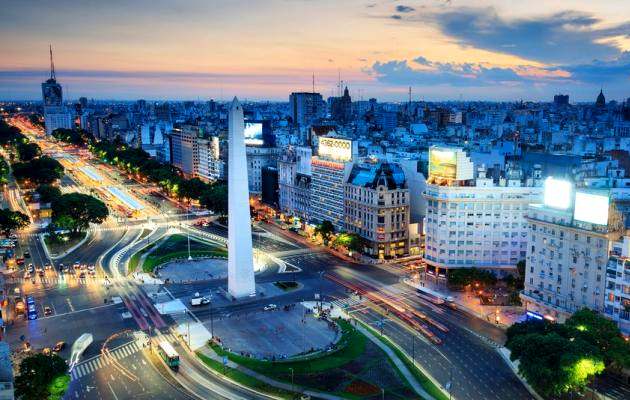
x,y
617,290
568,254
306,107
377,208
294,182
330,171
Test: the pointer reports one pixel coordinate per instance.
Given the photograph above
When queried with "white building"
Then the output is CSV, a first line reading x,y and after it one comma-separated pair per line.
x,y
257,158
473,223
570,236
294,182
617,290
211,167
330,170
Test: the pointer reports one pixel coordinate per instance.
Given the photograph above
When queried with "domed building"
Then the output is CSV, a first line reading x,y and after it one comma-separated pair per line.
x,y
601,100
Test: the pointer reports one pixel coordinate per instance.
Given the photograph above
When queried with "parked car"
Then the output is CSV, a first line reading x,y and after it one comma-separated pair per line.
x,y
47,311
270,307
27,254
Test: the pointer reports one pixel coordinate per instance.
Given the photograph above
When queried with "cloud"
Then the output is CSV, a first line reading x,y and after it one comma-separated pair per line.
x,y
400,72
421,71
395,16
404,9
565,37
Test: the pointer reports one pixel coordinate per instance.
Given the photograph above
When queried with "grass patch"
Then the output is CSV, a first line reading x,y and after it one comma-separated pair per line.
x,y
175,247
58,244
58,387
245,379
287,286
422,379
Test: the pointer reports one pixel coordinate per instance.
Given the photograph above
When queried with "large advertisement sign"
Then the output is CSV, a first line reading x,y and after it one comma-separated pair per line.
x,y
592,208
442,163
335,149
558,193
253,133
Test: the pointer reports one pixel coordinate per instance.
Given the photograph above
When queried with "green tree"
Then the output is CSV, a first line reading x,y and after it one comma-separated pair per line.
x,y
48,193
468,276
78,210
12,220
350,241
326,229
36,373
215,198
38,170
28,151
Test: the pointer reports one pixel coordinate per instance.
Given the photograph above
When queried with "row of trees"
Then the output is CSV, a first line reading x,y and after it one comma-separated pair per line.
x,y
467,276
36,374
350,241
138,162
557,359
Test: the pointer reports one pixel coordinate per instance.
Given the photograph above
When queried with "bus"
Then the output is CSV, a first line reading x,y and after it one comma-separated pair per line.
x,y
168,354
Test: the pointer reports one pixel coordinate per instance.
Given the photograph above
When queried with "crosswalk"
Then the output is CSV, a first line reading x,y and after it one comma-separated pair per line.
x,y
96,363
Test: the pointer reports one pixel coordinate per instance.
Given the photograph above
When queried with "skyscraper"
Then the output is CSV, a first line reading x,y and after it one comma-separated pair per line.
x,y
306,107
240,254
55,114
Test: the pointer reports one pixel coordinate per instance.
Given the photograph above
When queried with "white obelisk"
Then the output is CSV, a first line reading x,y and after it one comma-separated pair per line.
x,y
240,254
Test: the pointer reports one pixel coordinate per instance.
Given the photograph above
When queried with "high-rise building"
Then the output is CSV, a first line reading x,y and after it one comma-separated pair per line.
x,y
211,164
561,100
473,223
56,116
330,170
294,182
306,108
617,290
377,208
570,236
184,152
341,107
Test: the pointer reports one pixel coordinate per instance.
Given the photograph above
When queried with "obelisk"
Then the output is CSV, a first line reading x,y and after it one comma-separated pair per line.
x,y
240,254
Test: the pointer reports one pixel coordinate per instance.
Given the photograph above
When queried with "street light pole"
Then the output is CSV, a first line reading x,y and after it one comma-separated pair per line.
x,y
188,229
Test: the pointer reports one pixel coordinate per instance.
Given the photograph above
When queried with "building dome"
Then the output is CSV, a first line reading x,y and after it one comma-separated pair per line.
x,y
601,100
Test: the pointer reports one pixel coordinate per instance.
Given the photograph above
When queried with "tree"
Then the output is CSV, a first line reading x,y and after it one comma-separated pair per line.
x,y
215,198
12,220
38,170
36,373
192,188
28,151
48,193
467,276
350,241
326,229
78,210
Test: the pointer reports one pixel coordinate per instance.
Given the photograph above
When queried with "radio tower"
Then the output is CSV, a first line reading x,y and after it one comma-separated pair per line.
x,y
52,65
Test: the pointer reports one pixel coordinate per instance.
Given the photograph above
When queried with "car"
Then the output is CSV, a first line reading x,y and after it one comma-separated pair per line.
x,y
30,300
39,269
59,346
47,311
47,266
19,261
30,268
83,267
82,275
46,351
76,264
41,273
19,305
27,275
27,254
270,307
91,267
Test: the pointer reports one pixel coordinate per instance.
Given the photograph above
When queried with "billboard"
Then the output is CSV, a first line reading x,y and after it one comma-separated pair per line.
x,y
335,149
558,193
591,208
254,133
442,163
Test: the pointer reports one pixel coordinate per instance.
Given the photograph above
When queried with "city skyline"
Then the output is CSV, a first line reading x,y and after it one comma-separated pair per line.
x,y
444,50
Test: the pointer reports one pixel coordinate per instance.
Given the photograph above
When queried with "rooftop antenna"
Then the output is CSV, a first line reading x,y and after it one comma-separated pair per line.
x,y
339,82
52,64
409,105
313,82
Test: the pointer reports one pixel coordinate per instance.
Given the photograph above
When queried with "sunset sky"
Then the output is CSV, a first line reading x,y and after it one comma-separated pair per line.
x,y
156,49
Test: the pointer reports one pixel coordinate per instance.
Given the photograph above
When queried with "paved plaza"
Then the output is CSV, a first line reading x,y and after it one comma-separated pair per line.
x,y
196,270
279,333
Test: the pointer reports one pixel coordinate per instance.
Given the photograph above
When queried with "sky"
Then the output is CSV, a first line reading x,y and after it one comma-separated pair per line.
x,y
265,49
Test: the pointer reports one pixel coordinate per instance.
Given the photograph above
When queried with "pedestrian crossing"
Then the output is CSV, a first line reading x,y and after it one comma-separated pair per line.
x,y
96,363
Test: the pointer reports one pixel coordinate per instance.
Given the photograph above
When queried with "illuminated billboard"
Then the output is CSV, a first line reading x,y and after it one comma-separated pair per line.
x,y
335,149
558,193
254,133
442,163
591,208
